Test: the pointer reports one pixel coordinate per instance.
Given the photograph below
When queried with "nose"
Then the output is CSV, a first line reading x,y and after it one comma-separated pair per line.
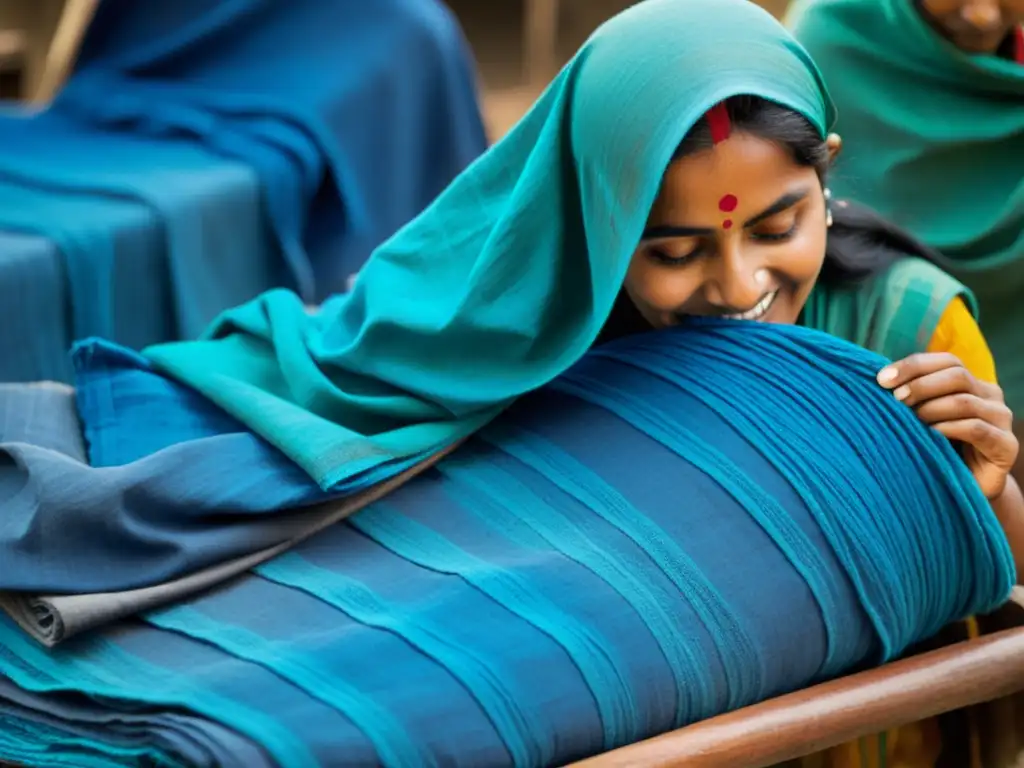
x,y
736,285
983,15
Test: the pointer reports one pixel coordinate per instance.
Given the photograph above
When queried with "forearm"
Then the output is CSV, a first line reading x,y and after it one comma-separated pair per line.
x,y
1009,509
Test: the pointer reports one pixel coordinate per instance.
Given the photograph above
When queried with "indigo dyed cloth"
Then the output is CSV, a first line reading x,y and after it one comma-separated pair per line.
x,y
507,278
145,241
354,115
684,523
203,152
33,297
177,496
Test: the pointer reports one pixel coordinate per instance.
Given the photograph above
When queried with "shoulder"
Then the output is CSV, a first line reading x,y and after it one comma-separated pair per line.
x,y
812,21
849,41
907,301
895,312
925,286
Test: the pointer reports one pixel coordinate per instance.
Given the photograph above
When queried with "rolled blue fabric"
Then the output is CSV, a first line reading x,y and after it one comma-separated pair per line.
x,y
684,523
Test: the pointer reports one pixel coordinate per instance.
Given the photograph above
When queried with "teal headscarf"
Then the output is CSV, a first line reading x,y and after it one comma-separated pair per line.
x,y
507,278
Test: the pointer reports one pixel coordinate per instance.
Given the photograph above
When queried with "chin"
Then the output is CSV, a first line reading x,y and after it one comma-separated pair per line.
x,y
978,45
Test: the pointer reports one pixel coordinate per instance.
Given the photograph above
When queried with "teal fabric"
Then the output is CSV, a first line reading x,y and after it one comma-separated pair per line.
x,y
933,139
506,279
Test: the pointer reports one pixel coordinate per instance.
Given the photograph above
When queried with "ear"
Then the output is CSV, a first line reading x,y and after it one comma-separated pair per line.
x,y
835,146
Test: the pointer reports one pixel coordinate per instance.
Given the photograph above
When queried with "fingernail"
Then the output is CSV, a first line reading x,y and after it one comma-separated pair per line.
x,y
902,393
886,375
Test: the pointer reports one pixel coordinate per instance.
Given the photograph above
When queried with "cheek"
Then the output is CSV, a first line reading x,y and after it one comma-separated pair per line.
x,y
806,254
801,259
660,287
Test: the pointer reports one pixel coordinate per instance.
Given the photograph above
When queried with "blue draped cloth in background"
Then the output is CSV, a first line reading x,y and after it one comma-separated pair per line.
x,y
203,152
33,296
354,115
153,239
683,523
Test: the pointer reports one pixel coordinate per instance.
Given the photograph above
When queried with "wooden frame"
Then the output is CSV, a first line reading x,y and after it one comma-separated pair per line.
x,y
63,49
808,721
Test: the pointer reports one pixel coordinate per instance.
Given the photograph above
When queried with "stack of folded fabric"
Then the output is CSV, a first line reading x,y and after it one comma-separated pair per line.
x,y
204,152
669,530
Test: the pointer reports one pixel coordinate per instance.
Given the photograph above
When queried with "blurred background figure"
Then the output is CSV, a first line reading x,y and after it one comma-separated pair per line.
x,y
929,98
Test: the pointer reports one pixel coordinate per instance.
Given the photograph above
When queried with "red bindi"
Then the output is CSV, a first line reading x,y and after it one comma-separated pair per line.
x,y
727,223
728,203
719,122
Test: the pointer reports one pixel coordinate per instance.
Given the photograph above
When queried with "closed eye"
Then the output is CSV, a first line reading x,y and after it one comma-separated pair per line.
x,y
776,237
662,257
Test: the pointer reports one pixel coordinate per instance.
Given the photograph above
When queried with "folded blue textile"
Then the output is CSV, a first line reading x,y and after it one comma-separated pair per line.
x,y
32,296
173,485
204,152
154,238
354,114
31,724
68,527
682,524
177,498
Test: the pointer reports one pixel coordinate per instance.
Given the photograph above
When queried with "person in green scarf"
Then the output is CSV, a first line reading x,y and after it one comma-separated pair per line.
x,y
677,166
928,95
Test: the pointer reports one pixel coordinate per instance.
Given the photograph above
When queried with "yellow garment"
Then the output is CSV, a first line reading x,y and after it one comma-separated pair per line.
x,y
918,745
959,334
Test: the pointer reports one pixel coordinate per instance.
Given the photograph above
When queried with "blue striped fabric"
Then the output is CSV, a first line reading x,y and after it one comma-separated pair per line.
x,y
152,240
643,544
33,296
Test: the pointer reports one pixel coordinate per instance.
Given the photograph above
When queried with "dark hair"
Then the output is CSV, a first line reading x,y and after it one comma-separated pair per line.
x,y
860,243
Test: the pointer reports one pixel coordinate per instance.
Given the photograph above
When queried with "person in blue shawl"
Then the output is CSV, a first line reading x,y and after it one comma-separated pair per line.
x,y
675,167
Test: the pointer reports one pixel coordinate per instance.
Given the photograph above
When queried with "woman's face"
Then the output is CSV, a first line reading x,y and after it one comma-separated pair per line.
x,y
975,26
737,230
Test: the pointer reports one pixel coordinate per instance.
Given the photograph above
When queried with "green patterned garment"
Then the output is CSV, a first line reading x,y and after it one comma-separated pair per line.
x,y
894,313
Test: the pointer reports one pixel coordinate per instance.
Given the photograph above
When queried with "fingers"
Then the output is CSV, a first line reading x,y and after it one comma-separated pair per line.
x,y
916,366
997,445
962,407
919,378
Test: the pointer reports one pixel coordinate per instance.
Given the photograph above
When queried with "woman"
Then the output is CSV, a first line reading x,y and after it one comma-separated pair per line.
x,y
928,93
759,251
676,167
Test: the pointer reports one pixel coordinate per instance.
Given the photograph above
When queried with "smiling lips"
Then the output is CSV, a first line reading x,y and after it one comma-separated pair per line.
x,y
758,310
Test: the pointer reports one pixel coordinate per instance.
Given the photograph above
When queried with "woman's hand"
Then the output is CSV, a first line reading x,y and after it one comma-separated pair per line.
x,y
946,396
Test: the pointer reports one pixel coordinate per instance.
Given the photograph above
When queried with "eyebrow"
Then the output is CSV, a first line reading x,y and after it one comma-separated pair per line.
x,y
785,202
